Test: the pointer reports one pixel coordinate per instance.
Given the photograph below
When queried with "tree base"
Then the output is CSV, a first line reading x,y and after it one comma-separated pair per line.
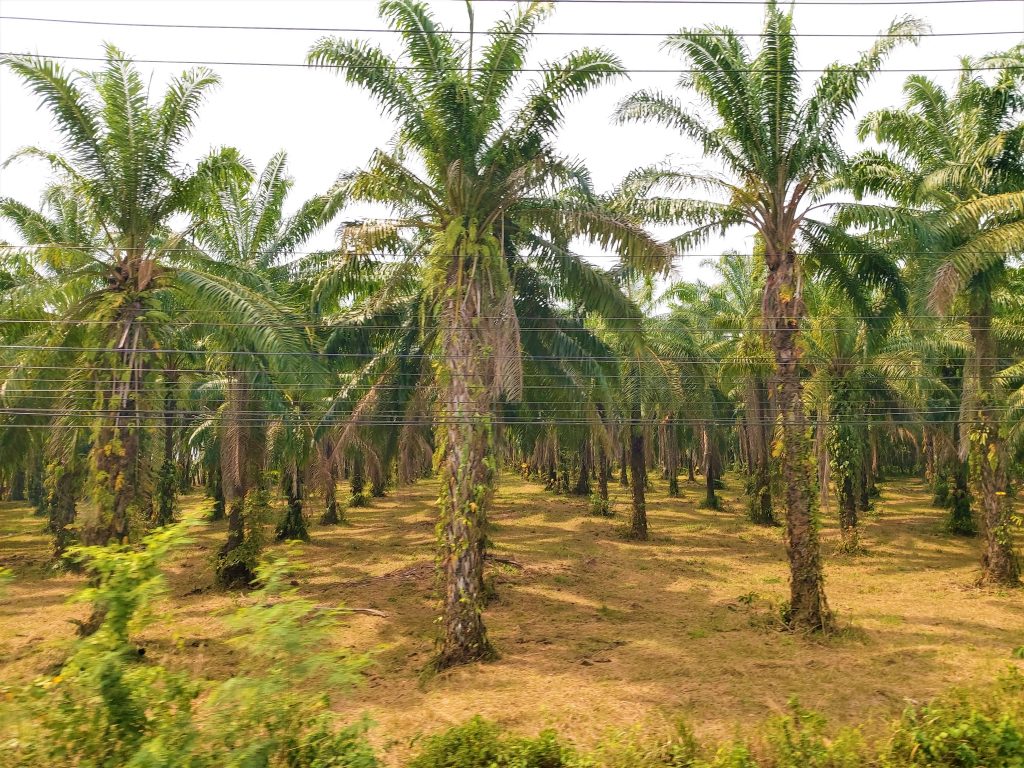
x,y
822,624
332,518
457,657
959,523
758,517
631,534
235,576
850,547
1003,581
357,500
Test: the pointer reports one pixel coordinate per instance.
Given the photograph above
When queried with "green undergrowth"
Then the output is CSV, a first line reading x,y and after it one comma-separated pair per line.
x,y
962,729
108,706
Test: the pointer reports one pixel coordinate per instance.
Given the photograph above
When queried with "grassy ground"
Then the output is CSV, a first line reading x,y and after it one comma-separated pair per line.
x,y
595,632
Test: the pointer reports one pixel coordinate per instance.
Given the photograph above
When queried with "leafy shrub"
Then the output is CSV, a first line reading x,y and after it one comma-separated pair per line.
x,y
479,743
635,748
798,740
475,744
963,730
110,707
600,507
984,729
734,755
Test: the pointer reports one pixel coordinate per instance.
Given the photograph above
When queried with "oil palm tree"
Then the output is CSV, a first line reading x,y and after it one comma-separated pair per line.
x,y
36,381
725,317
953,164
120,160
257,334
848,386
781,152
473,179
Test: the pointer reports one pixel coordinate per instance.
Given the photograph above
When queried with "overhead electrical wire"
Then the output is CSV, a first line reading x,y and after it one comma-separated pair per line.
x,y
538,33
341,326
375,354
413,68
397,258
761,2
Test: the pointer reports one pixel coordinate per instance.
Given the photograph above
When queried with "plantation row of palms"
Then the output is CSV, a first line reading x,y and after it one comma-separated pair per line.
x,y
164,325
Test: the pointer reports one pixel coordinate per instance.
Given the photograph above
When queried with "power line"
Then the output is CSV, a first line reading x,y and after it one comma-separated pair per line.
x,y
539,33
416,356
204,318
433,421
413,68
761,2
374,354
397,258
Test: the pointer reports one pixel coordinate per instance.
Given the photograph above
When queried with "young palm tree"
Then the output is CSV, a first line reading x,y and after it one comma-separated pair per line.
x,y
120,161
955,160
781,152
473,177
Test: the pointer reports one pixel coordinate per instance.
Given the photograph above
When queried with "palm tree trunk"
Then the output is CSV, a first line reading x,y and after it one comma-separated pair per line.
x,y
990,459
846,458
864,489
604,470
167,481
710,468
215,490
331,516
638,476
467,477
233,571
782,310
62,504
671,450
379,485
357,481
960,520
240,445
848,514
18,484
582,487
293,524
116,450
759,484
185,475
115,458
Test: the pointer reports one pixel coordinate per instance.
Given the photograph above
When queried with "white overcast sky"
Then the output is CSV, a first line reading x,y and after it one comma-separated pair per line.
x,y
327,126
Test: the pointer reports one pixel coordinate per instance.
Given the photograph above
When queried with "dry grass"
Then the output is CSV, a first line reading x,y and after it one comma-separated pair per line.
x,y
595,632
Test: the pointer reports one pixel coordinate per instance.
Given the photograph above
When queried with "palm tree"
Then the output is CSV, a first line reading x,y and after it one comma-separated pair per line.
x,y
692,389
474,182
259,337
848,386
956,161
781,153
120,162
724,319
36,383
